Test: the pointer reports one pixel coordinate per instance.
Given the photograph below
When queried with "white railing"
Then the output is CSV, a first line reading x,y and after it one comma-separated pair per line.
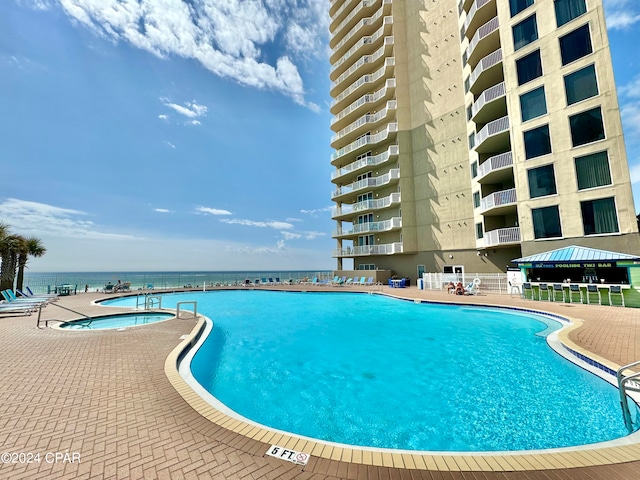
x,y
367,227
363,61
494,163
354,13
371,182
472,11
495,127
377,204
502,236
359,44
384,249
366,140
369,118
347,3
489,95
368,98
485,30
360,25
486,63
367,161
497,199
368,78
489,282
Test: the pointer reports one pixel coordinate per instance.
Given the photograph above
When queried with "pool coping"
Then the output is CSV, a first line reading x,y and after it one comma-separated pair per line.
x,y
617,451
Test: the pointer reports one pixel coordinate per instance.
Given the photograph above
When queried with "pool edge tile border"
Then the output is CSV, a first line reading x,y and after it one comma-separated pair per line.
x,y
441,461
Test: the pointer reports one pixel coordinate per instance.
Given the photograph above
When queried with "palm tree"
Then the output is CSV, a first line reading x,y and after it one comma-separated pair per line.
x,y
31,246
9,247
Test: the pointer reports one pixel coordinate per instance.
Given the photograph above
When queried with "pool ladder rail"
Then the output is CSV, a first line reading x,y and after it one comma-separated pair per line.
x,y
627,383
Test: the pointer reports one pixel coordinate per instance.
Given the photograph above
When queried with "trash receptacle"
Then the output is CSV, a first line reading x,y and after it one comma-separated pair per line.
x,y
420,284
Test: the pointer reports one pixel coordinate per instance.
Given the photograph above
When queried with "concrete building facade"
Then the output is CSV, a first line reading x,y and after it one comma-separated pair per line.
x,y
468,133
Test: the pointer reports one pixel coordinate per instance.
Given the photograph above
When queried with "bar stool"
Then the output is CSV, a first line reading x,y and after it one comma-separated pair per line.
x,y
527,286
545,287
573,289
616,290
557,287
593,290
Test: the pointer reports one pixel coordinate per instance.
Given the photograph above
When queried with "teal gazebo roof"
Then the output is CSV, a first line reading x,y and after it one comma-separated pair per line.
x,y
575,254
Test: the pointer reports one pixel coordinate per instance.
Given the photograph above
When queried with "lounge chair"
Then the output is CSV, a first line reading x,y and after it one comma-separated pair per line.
x,y
51,297
362,281
108,288
31,294
278,282
20,309
12,300
349,281
370,281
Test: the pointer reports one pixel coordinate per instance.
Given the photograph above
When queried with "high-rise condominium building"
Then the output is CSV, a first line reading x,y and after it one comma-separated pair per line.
x,y
472,132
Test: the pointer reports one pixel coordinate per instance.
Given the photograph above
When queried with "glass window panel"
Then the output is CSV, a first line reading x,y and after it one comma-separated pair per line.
x,y
533,104
476,199
593,170
474,169
542,181
586,127
479,231
575,45
599,216
546,222
525,32
581,85
529,67
519,5
537,142
567,10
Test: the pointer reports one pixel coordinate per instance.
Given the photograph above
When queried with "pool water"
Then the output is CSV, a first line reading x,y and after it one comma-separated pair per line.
x,y
116,321
373,371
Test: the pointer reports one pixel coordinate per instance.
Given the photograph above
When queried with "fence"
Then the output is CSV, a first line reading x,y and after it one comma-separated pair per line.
x,y
489,282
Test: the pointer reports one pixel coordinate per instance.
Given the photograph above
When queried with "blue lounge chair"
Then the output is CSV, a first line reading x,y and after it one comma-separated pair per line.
x,y
11,299
50,296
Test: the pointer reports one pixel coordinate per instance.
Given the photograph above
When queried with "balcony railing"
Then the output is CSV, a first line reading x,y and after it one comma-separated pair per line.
x,y
502,236
363,61
369,118
376,204
361,24
498,199
368,161
361,43
366,140
374,77
488,96
384,249
354,13
491,129
371,182
369,227
497,162
483,32
347,3
486,63
472,11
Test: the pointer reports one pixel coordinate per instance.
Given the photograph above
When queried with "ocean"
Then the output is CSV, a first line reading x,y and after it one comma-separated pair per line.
x,y
95,281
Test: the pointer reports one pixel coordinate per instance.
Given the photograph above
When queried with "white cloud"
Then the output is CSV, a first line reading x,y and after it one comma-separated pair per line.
x,y
621,14
313,235
278,249
251,223
634,170
169,144
190,109
226,36
163,117
161,210
194,122
315,213
212,211
291,235
39,219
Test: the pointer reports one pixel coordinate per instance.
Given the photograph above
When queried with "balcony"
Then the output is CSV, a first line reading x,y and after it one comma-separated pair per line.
x,y
356,12
366,162
478,16
366,183
491,104
364,45
366,141
384,249
487,73
341,11
498,203
496,169
367,205
485,40
362,28
362,84
394,223
502,236
494,136
366,122
369,60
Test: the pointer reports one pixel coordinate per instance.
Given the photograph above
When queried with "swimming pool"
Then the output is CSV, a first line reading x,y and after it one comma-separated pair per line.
x,y
373,371
116,321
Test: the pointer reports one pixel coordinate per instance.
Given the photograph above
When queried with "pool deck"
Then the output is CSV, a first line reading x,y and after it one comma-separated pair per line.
x,y
105,397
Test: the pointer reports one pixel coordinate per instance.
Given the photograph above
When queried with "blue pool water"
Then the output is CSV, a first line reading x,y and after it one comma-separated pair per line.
x,y
374,371
116,321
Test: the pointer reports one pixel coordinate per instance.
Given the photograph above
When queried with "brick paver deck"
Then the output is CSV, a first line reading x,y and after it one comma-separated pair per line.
x,y
104,396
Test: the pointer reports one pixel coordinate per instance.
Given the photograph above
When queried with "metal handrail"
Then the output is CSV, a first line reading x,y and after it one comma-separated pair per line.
x,y
46,323
190,302
622,389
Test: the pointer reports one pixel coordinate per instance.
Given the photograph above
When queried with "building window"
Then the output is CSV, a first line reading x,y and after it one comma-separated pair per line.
x,y
476,199
581,85
537,142
367,266
586,127
599,216
593,170
472,141
469,112
519,5
575,45
567,10
546,222
467,84
525,32
533,104
542,181
529,67
474,169
479,231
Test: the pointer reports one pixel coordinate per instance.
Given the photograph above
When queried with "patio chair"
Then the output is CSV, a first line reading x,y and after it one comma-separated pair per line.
x,y
593,290
555,289
616,290
574,289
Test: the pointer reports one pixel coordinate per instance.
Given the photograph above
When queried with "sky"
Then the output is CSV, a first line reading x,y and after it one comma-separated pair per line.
x,y
155,135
